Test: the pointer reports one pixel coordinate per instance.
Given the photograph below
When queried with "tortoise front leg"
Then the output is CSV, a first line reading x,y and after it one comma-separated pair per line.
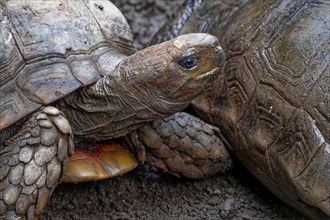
x,y
184,146
31,164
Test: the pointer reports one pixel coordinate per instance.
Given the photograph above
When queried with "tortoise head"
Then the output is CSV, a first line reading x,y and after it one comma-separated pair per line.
x,y
196,54
176,71
150,84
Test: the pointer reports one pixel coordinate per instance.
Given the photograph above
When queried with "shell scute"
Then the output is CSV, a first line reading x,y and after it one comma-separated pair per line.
x,y
50,49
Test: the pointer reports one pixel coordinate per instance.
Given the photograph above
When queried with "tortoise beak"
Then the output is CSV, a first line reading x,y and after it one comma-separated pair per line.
x,y
222,55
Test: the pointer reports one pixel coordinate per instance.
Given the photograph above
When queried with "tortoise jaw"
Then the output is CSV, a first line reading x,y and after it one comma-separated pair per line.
x,y
212,74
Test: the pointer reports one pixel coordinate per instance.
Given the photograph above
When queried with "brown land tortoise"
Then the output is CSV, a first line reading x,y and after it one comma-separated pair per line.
x,y
69,74
272,98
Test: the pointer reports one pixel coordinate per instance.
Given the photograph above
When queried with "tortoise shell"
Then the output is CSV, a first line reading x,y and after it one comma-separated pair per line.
x,y
272,99
49,50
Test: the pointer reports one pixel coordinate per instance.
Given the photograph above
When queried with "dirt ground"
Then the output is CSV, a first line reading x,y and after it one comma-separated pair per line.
x,y
148,194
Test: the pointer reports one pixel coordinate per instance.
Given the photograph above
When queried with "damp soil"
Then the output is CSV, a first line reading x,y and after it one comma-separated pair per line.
x,y
149,194
146,193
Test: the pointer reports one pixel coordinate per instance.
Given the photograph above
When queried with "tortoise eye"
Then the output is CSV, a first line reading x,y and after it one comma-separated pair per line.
x,y
188,63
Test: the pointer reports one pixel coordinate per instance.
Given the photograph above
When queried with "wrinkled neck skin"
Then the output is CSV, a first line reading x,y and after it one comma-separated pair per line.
x,y
124,100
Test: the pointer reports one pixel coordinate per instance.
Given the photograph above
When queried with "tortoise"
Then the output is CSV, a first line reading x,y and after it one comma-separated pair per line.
x,y
271,100
70,74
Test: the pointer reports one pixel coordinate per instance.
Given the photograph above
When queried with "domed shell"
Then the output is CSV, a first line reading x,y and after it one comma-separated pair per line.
x,y
272,98
49,49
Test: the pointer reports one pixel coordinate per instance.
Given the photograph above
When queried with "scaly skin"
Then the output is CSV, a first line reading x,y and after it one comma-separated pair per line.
x,y
148,85
185,146
181,144
31,164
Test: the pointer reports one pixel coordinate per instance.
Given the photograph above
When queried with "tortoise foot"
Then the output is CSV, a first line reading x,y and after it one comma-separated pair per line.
x,y
31,164
185,146
104,161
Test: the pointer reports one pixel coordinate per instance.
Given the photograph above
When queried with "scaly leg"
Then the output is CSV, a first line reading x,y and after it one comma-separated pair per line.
x,y
184,146
31,164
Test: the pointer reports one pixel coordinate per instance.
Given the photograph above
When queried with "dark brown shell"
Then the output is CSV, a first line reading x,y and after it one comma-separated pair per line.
x,y
49,50
272,99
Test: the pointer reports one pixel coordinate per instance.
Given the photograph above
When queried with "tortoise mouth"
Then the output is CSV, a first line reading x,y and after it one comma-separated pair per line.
x,y
213,73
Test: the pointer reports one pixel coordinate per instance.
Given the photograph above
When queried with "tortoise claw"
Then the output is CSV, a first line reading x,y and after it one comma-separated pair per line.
x,y
105,161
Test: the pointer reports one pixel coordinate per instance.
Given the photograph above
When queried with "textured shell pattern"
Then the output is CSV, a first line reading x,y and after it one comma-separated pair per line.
x,y
49,50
